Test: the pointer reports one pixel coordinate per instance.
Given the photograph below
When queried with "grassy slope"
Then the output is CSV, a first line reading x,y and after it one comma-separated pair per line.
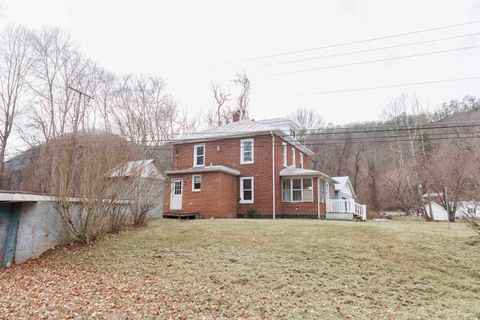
x,y
256,268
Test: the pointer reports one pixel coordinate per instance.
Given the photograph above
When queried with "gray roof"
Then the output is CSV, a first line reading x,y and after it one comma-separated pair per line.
x,y
246,128
205,169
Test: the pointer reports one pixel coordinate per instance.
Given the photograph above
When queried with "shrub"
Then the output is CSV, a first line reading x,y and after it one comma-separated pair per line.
x,y
252,213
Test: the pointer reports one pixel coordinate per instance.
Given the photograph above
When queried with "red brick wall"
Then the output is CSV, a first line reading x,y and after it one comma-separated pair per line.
x,y
209,202
227,152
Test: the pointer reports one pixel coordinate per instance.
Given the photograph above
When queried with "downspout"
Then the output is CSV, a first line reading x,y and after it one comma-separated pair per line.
x,y
318,196
273,174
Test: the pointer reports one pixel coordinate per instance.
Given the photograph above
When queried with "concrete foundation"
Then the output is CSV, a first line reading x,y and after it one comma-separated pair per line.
x,y
339,216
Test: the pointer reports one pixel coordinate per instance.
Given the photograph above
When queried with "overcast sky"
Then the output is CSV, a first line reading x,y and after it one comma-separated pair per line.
x,y
184,42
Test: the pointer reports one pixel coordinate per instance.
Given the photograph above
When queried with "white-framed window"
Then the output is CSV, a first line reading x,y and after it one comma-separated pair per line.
x,y
301,160
199,155
285,154
246,151
297,190
294,157
246,190
196,183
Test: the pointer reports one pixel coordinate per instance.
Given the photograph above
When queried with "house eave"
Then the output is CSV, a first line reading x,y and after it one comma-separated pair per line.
x,y
205,169
222,136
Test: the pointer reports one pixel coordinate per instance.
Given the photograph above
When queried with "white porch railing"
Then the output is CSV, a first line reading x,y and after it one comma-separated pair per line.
x,y
347,206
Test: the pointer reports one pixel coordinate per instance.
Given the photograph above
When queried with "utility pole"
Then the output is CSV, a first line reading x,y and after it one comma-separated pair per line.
x,y
445,195
76,121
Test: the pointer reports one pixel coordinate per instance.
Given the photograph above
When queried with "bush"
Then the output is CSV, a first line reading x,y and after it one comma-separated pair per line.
x,y
252,213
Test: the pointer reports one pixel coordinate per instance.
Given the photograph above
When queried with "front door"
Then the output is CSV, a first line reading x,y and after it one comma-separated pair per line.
x,y
176,194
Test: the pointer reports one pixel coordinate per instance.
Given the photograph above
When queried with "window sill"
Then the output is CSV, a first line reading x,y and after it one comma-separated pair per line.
x,y
246,202
251,162
198,165
196,190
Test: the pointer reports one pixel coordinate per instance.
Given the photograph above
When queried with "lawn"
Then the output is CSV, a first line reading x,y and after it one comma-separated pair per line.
x,y
256,269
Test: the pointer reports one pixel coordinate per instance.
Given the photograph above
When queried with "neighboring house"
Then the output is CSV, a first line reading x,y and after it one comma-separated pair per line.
x,y
246,166
344,188
438,213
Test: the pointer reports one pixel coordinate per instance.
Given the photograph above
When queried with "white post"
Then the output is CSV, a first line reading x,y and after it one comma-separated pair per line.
x,y
364,212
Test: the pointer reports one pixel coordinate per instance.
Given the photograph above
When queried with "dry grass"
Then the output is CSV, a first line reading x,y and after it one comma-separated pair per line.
x,y
256,269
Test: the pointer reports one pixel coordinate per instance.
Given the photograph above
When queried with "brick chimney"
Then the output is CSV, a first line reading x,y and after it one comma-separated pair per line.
x,y
236,116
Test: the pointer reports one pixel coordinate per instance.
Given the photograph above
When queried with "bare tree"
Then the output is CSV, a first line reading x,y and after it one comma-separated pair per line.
x,y
471,207
308,120
15,63
58,67
222,114
244,96
87,204
145,113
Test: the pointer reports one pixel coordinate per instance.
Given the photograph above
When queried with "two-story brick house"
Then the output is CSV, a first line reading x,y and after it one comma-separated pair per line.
x,y
224,171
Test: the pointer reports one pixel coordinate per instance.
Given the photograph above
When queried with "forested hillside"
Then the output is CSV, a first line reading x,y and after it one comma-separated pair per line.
x,y
412,152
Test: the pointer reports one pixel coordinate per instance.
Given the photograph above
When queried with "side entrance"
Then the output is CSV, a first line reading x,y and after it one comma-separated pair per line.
x,y
176,194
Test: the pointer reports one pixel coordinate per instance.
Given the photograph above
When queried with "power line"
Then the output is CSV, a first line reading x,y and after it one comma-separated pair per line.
x,y
364,51
351,42
310,143
367,62
384,87
340,130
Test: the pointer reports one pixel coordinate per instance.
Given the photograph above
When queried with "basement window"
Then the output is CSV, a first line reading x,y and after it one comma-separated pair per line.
x,y
196,183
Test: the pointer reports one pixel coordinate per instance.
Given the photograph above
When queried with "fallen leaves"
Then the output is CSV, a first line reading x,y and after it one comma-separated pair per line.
x,y
248,269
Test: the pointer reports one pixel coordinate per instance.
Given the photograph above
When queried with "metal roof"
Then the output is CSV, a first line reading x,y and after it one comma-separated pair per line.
x,y
139,168
246,128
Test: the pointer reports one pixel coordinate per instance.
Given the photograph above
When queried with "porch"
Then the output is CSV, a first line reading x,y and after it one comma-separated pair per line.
x,y
345,209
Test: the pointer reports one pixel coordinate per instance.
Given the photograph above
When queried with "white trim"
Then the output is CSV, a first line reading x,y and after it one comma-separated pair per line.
x,y
301,160
294,157
193,183
195,155
241,191
242,151
285,154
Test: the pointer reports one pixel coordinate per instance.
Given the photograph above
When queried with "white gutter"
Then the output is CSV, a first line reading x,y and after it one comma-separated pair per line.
x,y
273,174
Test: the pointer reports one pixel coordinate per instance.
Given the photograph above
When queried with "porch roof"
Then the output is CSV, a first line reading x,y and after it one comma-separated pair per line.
x,y
292,171
204,169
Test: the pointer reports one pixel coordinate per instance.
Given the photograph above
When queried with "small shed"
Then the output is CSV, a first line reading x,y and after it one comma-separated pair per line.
x,y
140,180
344,188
